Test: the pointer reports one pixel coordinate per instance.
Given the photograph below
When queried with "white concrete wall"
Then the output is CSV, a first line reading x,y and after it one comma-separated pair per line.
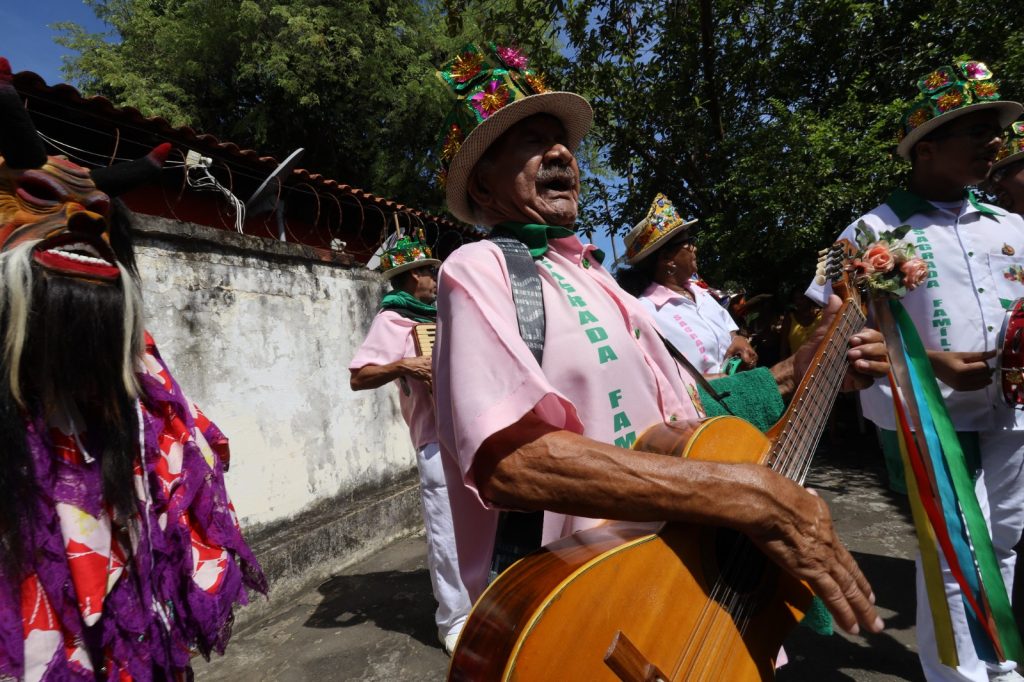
x,y
261,341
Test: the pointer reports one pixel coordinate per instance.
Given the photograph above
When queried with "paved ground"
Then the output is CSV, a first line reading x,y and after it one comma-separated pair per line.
x,y
374,621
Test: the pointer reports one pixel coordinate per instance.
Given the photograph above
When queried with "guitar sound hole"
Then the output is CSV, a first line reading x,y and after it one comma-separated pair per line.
x,y
740,565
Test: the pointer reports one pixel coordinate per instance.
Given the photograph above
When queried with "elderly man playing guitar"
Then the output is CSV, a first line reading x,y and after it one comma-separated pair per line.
x,y
543,420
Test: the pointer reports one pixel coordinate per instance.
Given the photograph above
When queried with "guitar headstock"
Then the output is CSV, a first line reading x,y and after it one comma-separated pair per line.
x,y
835,264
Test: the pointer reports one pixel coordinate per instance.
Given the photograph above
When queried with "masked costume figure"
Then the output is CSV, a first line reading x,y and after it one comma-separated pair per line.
x,y
120,552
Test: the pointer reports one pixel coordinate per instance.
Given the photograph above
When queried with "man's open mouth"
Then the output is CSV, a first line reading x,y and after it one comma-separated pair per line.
x,y
559,185
77,255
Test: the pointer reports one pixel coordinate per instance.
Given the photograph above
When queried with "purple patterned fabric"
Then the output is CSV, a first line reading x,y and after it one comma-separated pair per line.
x,y
157,613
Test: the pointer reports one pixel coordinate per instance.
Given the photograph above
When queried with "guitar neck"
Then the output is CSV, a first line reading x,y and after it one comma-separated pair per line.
x,y
796,436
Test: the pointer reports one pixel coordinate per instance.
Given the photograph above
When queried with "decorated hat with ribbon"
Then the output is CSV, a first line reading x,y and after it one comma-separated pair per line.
x,y
1013,147
650,234
406,254
494,89
947,93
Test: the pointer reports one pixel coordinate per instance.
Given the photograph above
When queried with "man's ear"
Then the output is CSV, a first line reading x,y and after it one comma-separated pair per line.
x,y
477,188
924,150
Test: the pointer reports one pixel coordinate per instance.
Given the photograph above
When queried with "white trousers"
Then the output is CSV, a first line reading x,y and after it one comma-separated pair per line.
x,y
453,602
1000,490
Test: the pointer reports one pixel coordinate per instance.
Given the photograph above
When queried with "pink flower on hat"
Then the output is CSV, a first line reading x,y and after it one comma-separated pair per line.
x,y
977,71
489,100
514,58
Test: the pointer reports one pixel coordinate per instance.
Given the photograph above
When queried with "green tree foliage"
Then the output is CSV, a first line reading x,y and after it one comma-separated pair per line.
x,y
773,121
351,81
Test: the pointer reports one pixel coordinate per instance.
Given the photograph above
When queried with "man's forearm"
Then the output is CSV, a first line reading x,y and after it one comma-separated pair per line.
x,y
375,376
538,467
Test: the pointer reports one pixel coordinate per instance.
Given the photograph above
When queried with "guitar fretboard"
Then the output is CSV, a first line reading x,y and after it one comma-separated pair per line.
x,y
807,414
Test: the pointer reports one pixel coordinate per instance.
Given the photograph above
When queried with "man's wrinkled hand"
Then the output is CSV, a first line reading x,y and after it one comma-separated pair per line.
x,y
796,532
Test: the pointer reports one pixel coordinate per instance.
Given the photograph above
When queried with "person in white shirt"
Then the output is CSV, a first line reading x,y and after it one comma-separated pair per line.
x,y
663,260
951,135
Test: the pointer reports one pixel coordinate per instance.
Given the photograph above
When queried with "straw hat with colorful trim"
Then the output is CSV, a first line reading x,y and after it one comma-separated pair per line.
x,y
406,254
654,231
494,90
1012,150
948,93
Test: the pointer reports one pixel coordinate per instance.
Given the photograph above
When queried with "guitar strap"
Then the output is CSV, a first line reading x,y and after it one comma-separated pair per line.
x,y
519,533
696,374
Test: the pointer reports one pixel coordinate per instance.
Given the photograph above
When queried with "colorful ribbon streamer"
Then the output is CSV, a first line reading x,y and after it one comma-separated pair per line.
x,y
946,512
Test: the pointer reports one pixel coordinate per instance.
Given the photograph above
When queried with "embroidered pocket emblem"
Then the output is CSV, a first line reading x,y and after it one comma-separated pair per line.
x,y
1008,250
1014,273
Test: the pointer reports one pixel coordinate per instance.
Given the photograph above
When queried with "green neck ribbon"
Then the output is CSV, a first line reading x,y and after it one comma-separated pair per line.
x,y
536,236
407,305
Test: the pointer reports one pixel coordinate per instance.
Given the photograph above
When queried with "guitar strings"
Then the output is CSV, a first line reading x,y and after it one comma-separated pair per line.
x,y
800,441
818,397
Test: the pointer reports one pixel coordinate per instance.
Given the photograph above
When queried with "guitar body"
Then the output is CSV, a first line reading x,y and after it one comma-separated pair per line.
x,y
641,595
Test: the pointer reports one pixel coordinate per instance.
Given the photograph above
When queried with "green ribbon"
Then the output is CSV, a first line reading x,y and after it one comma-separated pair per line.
x,y
991,578
404,303
536,236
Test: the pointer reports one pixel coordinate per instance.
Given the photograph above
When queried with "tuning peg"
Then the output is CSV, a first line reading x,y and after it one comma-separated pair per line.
x,y
820,280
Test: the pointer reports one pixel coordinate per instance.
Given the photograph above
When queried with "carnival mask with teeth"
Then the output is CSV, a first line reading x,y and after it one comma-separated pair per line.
x,y
52,201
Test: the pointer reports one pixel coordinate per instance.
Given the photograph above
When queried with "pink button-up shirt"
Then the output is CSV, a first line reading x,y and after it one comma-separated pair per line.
x,y
606,374
389,340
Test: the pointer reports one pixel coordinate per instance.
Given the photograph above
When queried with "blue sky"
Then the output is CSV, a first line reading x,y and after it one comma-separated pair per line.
x,y
26,38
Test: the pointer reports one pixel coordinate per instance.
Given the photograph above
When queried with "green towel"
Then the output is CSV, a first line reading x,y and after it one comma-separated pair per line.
x,y
754,396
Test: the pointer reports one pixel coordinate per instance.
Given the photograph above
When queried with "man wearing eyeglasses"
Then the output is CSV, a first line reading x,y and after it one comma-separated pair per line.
x,y
390,354
951,135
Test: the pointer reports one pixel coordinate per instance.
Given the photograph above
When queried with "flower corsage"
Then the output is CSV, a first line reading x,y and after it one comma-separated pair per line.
x,y
885,265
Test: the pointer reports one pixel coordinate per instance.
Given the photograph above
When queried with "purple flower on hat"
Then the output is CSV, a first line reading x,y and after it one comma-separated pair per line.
x,y
977,71
489,100
513,57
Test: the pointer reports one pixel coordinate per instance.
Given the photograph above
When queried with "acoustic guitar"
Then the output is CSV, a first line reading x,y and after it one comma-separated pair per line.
x,y
673,601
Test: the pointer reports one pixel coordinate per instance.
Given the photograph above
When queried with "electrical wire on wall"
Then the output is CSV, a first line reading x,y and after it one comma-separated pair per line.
x,y
198,177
